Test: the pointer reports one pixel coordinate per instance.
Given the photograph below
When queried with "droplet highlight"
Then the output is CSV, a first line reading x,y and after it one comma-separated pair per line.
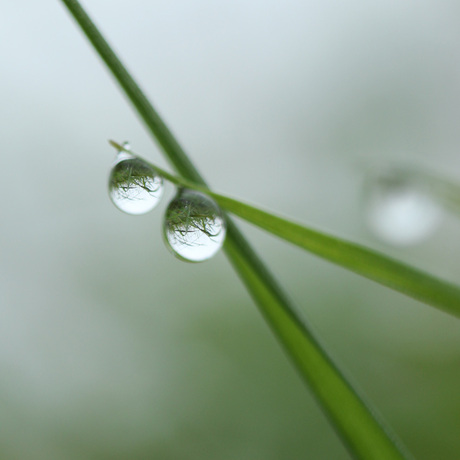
x,y
134,186
194,228
400,210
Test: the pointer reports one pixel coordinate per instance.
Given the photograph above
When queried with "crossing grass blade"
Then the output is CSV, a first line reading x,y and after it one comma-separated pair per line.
x,y
359,259
362,431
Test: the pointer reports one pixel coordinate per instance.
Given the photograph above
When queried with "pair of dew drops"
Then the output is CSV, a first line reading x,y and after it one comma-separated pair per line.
x,y
193,226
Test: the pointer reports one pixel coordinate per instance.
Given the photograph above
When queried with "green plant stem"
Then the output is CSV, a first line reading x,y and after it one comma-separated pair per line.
x,y
361,260
361,431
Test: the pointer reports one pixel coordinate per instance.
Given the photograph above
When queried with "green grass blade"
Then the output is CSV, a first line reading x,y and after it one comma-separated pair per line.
x,y
361,431
364,261
357,258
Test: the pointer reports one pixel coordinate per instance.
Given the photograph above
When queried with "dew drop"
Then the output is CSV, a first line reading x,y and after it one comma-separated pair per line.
x,y
194,227
400,210
134,186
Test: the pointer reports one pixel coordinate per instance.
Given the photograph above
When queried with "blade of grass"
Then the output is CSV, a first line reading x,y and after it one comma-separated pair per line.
x,y
360,429
359,259
364,261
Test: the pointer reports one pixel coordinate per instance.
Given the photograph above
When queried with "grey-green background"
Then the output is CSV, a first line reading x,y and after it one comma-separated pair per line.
x,y
110,348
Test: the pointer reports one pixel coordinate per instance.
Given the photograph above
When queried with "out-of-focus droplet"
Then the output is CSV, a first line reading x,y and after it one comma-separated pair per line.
x,y
400,210
134,186
194,227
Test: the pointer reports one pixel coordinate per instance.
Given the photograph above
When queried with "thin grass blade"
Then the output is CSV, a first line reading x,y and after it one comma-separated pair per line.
x,y
359,259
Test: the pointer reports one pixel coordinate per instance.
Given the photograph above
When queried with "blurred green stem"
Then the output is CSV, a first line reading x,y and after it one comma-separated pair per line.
x,y
358,426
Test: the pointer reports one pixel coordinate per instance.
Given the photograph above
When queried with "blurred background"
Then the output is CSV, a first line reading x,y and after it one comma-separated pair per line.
x,y
110,348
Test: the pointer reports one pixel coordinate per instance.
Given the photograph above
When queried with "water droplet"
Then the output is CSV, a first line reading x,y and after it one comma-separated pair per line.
x,y
194,227
401,210
134,186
